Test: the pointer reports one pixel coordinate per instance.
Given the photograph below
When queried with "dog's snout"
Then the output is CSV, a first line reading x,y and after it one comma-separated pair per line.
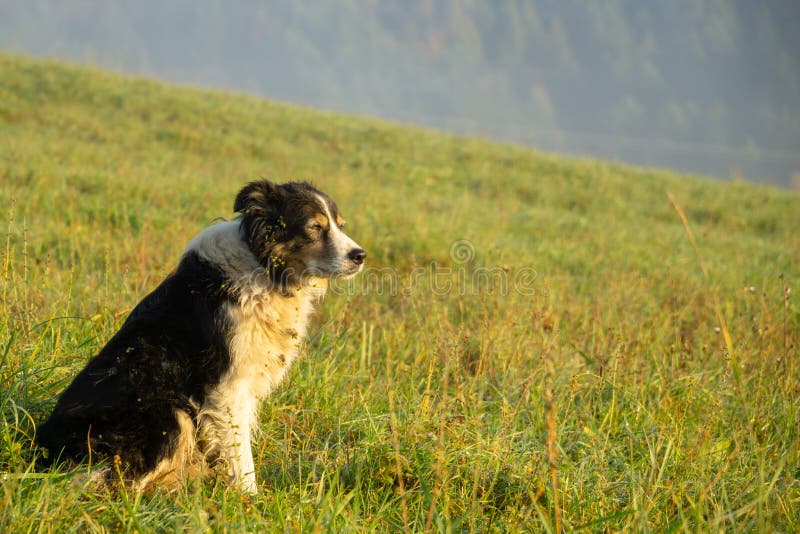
x,y
357,255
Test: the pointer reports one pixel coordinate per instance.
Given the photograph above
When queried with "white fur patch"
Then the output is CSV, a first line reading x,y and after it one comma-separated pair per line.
x,y
222,245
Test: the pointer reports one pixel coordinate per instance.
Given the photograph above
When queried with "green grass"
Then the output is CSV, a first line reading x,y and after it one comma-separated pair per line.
x,y
418,409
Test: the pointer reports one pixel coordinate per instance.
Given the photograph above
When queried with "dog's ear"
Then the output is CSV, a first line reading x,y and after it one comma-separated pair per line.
x,y
256,197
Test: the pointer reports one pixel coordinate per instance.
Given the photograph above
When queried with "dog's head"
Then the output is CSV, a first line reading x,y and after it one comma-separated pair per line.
x,y
295,231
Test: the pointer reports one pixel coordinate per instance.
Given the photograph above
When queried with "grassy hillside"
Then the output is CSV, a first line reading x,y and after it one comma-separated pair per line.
x,y
621,379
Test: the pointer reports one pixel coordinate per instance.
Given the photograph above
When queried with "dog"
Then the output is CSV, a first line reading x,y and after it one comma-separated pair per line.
x,y
176,390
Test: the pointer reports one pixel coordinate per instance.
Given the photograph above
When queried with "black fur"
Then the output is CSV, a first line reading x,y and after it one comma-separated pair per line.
x,y
169,350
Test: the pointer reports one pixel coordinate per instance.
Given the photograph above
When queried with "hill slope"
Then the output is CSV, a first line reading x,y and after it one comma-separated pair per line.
x,y
501,277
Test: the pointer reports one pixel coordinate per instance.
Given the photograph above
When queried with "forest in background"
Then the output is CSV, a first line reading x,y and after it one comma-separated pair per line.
x,y
709,87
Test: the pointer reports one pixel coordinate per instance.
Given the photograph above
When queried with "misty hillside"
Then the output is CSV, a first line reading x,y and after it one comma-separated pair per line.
x,y
709,87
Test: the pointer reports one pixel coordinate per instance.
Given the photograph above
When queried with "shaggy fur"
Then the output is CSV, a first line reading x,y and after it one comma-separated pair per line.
x,y
177,388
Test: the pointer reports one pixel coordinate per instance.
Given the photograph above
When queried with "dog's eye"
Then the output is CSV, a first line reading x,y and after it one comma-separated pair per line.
x,y
316,227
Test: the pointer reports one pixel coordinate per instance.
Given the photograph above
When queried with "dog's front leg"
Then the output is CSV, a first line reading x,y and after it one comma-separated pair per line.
x,y
241,467
226,423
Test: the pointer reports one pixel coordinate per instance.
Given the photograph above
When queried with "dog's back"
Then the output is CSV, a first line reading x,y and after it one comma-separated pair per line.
x,y
168,352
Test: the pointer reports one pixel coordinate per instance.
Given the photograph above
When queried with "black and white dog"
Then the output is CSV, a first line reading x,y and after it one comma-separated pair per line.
x,y
178,387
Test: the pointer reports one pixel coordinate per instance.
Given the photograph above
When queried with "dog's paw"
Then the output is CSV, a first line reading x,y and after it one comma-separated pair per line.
x,y
248,486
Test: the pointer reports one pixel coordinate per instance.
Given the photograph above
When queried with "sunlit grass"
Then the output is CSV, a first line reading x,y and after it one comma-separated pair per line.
x,y
413,408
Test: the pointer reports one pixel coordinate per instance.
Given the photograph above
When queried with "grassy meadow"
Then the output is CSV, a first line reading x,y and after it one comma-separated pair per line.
x,y
541,343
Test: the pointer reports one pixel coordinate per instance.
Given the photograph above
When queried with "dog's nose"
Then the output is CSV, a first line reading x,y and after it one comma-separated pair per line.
x,y
357,255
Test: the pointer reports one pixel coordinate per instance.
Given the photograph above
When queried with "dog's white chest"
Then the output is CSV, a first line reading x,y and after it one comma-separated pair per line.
x,y
267,333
